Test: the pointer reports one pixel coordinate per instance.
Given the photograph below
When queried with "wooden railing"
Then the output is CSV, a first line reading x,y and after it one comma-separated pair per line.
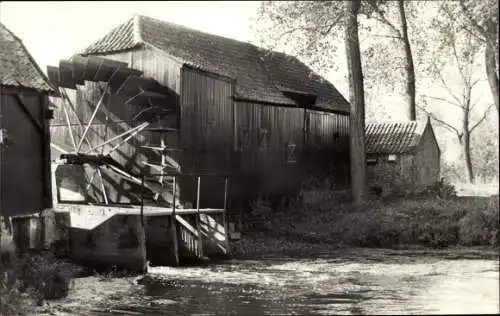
x,y
206,229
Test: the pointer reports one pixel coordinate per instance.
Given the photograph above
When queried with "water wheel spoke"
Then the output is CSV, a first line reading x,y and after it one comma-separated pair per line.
x,y
84,135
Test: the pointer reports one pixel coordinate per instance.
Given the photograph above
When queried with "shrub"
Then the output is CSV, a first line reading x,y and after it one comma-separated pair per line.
x,y
480,226
35,276
440,190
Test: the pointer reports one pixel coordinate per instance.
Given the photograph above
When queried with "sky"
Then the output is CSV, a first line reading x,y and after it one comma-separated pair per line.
x,y
56,30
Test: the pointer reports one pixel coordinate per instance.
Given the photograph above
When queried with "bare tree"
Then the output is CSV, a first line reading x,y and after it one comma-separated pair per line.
x,y
480,20
357,102
464,60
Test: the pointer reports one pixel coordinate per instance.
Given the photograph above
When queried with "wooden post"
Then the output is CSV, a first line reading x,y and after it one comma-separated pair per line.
x,y
173,227
142,200
144,248
198,228
226,233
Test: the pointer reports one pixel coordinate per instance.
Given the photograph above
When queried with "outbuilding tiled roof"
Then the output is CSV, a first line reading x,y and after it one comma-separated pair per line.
x,y
393,137
17,67
259,74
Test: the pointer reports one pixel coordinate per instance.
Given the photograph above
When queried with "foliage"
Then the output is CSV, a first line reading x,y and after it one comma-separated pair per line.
x,y
436,218
35,277
482,226
440,190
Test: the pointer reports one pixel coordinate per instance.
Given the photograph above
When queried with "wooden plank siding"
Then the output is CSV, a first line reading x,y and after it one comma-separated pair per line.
x,y
206,133
263,152
327,138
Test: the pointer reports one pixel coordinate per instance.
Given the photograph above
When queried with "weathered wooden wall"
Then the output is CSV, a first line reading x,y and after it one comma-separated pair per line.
x,y
263,134
206,134
24,164
252,141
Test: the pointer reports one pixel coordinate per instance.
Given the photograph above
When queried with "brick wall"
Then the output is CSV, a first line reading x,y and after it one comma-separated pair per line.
x,y
390,176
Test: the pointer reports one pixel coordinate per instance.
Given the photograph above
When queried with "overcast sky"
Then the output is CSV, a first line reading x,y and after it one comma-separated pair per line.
x,y
55,30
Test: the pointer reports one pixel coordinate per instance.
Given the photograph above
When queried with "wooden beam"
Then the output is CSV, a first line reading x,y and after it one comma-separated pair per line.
x,y
132,134
139,127
66,75
224,215
198,227
144,98
174,227
119,76
130,86
90,121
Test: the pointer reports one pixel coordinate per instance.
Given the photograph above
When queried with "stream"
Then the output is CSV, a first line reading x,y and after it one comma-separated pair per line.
x,y
398,284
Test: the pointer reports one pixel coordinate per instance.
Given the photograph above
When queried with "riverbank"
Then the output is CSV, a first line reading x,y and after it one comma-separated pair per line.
x,y
255,246
318,223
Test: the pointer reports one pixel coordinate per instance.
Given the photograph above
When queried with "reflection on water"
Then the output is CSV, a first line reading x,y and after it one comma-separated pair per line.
x,y
321,286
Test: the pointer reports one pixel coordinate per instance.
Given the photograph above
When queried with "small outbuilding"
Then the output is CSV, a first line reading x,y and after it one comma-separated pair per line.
x,y
401,156
24,130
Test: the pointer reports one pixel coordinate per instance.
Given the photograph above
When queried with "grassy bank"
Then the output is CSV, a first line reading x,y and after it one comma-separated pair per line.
x,y
321,220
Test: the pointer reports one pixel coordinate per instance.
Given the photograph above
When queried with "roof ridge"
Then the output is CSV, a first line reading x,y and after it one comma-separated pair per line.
x,y
191,29
137,29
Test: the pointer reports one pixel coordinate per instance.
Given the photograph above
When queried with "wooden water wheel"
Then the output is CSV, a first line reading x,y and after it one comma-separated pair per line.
x,y
151,105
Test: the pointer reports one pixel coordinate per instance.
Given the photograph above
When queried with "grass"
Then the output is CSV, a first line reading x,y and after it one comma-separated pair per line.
x,y
324,219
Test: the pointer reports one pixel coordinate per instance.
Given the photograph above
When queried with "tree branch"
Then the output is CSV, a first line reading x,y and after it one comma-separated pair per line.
x,y
455,53
475,24
443,100
482,118
386,36
442,123
445,85
381,18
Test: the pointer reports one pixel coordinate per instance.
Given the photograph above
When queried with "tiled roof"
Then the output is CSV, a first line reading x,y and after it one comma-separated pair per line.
x,y
17,67
259,74
393,137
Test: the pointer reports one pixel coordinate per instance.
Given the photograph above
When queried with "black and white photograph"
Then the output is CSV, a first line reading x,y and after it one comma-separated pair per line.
x,y
249,157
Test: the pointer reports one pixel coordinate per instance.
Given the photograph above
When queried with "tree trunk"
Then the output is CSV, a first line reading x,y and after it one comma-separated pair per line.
x,y
410,69
357,103
467,157
491,72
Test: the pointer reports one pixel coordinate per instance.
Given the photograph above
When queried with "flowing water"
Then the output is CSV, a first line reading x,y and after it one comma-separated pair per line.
x,y
363,285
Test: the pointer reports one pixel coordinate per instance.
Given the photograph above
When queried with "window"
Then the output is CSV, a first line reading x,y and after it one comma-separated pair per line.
x,y
290,153
263,138
392,158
